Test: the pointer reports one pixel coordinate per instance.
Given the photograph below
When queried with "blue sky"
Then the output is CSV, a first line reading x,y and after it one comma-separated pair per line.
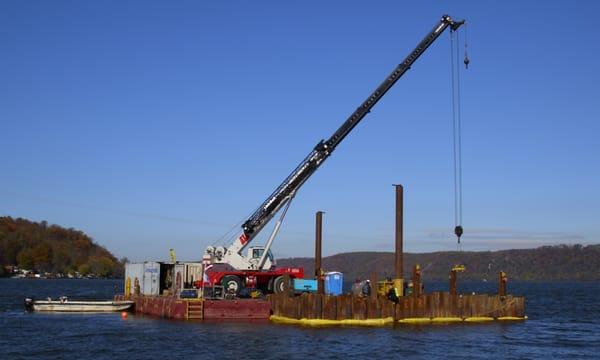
x,y
157,125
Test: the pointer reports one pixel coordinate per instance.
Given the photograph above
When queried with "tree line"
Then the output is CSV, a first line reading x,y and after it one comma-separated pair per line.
x,y
546,263
52,248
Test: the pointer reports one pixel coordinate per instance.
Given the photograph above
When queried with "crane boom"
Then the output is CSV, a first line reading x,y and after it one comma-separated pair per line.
x,y
324,148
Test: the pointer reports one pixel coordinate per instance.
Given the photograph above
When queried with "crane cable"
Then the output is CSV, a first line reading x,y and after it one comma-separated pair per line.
x,y
457,130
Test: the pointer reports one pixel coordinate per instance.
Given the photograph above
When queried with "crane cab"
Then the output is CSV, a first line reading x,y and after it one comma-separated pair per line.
x,y
255,253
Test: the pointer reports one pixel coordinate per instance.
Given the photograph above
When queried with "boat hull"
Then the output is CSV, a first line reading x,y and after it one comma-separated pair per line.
x,y
79,306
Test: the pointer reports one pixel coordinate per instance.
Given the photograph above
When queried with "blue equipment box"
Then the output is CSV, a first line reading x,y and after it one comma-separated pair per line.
x,y
305,285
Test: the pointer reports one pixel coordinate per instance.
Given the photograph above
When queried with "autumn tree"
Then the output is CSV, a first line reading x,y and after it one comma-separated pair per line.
x,y
42,256
25,259
43,247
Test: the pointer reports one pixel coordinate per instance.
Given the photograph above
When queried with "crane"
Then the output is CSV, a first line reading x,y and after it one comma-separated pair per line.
x,y
230,265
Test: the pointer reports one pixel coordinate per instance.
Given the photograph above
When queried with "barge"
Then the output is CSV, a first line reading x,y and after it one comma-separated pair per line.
x,y
375,307
167,289
192,291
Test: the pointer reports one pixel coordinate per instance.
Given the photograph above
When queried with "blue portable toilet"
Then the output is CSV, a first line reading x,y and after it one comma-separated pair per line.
x,y
333,283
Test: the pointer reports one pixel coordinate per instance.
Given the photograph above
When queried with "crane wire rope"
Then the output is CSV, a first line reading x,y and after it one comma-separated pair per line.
x,y
227,235
457,131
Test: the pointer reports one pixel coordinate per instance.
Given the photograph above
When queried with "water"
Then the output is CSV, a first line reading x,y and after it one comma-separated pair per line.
x,y
564,323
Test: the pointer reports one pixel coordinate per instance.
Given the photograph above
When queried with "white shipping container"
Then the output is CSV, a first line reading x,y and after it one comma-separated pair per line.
x,y
151,280
193,273
133,271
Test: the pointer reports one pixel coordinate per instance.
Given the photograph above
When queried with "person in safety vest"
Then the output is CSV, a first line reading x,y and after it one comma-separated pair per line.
x,y
393,294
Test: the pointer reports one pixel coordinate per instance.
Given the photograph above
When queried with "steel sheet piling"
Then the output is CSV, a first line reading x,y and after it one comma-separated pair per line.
x,y
440,305
452,284
416,279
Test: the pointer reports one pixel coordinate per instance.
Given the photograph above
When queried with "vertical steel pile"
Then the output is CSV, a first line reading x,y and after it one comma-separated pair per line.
x,y
318,239
399,254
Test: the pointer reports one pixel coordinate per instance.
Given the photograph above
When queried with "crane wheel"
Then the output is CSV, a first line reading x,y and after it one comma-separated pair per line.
x,y
231,284
279,285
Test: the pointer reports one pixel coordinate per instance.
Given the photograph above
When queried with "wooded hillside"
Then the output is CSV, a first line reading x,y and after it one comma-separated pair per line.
x,y
51,248
546,263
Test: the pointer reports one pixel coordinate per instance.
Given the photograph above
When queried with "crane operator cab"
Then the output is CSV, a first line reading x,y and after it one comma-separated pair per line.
x,y
255,253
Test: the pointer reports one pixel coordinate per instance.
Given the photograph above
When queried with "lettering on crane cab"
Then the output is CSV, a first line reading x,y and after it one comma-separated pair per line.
x,y
243,238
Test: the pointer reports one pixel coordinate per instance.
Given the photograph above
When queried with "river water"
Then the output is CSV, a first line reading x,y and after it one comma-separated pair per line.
x,y
564,322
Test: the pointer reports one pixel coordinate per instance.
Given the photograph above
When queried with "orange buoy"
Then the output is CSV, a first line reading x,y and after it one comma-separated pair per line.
x,y
124,315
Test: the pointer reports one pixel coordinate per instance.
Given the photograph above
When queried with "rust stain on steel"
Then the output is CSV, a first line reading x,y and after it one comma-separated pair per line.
x,y
359,308
173,308
434,305
502,279
373,280
452,282
387,307
329,306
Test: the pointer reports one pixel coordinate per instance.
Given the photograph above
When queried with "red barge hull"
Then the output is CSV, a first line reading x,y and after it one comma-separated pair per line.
x,y
170,307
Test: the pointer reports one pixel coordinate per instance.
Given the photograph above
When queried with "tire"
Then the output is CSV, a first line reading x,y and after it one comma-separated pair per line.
x,y
279,285
231,284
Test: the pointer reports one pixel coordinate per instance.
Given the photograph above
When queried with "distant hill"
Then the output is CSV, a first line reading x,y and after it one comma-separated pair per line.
x,y
51,248
546,263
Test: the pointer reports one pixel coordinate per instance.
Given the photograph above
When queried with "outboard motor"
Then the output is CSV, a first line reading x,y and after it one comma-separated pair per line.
x,y
29,304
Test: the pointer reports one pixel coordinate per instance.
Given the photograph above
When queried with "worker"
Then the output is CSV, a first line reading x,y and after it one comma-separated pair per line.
x,y
393,294
366,288
409,289
136,286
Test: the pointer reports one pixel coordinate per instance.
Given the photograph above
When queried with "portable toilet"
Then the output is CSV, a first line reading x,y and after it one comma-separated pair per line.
x,y
333,283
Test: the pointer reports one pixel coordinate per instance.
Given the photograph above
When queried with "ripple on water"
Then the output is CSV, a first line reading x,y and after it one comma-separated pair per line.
x,y
556,329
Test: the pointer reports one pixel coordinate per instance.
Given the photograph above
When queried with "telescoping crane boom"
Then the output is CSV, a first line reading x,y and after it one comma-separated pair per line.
x,y
288,188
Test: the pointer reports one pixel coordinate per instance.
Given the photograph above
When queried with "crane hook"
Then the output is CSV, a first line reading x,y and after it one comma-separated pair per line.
x,y
458,231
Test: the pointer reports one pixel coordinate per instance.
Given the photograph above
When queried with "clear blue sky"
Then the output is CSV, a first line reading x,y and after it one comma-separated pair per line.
x,y
152,125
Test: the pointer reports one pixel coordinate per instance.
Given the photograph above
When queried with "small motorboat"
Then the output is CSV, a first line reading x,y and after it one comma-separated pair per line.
x,y
63,304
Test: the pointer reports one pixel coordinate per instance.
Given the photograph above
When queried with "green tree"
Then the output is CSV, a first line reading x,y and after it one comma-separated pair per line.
x,y
12,247
84,269
101,266
60,260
